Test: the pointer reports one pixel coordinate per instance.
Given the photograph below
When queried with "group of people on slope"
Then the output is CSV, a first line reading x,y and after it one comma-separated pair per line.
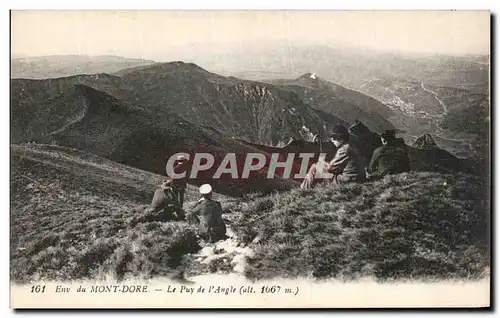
x,y
206,215
348,165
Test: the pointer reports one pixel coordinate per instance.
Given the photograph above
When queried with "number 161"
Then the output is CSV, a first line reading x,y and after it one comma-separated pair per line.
x,y
37,289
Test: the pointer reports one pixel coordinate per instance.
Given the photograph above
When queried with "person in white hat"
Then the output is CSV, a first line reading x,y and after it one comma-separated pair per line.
x,y
207,215
206,190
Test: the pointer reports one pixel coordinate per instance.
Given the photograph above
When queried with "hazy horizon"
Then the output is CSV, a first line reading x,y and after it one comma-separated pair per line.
x,y
177,35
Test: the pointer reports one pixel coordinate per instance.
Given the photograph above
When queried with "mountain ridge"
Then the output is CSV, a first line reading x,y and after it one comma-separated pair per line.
x,y
339,101
130,120
258,111
41,67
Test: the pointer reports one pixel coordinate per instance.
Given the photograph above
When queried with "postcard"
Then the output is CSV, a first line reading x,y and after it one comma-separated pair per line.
x,y
250,159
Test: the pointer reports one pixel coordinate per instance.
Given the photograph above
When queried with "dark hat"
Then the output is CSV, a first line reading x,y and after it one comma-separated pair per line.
x,y
340,132
389,134
166,183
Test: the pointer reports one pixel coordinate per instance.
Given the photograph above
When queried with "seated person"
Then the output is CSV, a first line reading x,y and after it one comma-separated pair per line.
x,y
346,166
207,215
163,206
390,158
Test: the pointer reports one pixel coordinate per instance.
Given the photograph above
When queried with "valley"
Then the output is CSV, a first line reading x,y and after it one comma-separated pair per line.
x,y
461,83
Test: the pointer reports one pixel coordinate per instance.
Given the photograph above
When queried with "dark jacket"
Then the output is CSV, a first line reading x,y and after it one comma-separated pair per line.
x,y
162,209
389,159
165,199
208,214
180,167
348,164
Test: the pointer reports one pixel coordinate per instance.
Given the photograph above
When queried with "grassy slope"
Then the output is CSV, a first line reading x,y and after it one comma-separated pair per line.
x,y
69,216
419,225
70,210
131,135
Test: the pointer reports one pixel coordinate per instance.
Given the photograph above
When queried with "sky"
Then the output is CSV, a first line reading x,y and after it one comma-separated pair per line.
x,y
162,35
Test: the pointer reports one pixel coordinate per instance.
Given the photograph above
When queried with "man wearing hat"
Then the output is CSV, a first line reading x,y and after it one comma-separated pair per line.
x,y
207,215
162,208
179,185
346,166
390,158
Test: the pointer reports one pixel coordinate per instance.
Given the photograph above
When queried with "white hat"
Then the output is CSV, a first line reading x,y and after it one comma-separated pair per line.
x,y
181,157
205,189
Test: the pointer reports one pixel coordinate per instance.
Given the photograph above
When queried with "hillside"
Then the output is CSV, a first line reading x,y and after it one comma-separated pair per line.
x,y
457,117
70,212
472,119
97,123
72,112
68,209
265,113
339,101
255,111
407,83
408,226
69,65
424,100
414,86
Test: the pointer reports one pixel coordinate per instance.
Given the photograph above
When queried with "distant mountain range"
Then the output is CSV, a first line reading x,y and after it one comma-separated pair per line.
x,y
446,96
145,114
256,111
350,67
68,65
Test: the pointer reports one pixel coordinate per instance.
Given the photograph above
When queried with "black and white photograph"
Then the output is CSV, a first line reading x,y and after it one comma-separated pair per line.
x,y
250,158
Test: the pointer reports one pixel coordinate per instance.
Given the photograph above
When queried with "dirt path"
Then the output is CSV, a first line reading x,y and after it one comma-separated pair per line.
x,y
80,116
445,109
229,251
439,132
